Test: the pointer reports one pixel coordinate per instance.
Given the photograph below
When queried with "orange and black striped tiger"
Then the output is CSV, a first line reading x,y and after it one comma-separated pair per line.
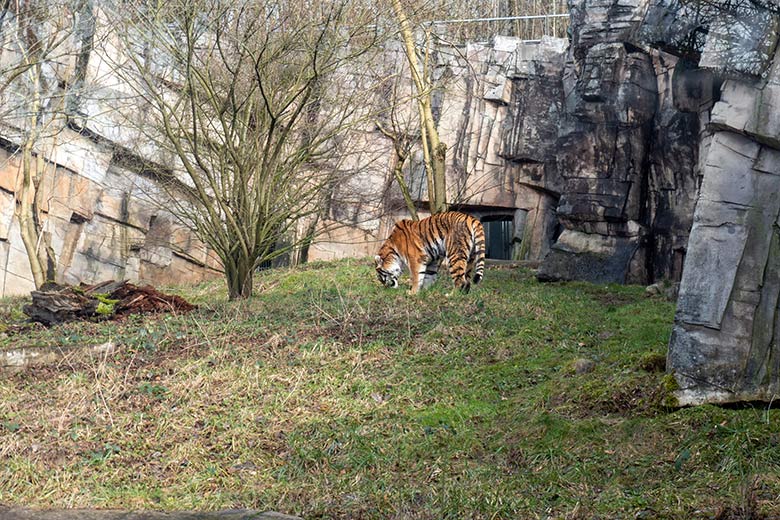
x,y
421,246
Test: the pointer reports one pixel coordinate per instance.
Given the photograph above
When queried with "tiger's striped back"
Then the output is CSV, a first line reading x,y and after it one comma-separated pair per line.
x,y
422,246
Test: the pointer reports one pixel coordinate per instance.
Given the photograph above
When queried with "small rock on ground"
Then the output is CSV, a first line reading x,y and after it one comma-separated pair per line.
x,y
583,366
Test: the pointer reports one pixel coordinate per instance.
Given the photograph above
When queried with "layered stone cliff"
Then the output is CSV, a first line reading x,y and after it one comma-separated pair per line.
x,y
97,198
628,146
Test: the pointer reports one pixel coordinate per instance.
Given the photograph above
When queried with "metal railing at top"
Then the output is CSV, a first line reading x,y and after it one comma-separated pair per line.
x,y
528,28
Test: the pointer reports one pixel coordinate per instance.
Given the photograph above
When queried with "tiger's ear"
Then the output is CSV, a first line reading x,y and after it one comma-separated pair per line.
x,y
378,260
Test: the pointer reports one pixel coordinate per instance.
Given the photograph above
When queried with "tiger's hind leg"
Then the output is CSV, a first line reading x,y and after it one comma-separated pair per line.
x,y
458,271
469,271
431,271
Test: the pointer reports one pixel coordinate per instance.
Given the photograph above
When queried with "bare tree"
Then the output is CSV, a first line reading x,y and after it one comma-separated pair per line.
x,y
252,98
36,38
394,123
434,151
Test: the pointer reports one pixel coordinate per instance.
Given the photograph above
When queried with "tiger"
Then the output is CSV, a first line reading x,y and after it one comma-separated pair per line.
x,y
422,245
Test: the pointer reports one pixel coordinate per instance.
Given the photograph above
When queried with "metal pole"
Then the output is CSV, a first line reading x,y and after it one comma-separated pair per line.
x,y
503,18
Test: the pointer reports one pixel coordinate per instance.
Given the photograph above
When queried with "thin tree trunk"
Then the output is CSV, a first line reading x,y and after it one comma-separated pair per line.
x,y
428,160
46,253
37,244
439,175
26,209
398,173
436,149
239,278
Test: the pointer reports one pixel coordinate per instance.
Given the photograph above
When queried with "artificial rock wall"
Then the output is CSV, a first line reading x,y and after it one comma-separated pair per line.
x,y
502,114
102,209
725,344
698,149
102,223
627,154
588,144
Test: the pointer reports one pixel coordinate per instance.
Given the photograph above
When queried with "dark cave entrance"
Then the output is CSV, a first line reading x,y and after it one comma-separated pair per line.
x,y
499,232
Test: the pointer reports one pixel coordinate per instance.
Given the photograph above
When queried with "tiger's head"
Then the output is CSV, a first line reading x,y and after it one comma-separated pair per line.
x,y
388,269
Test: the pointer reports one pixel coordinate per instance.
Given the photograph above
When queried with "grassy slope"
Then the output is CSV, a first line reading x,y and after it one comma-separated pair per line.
x,y
328,396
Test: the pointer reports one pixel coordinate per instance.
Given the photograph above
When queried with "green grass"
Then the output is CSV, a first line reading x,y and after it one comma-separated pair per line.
x,y
327,396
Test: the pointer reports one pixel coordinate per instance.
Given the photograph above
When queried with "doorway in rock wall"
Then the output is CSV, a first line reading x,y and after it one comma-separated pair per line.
x,y
499,231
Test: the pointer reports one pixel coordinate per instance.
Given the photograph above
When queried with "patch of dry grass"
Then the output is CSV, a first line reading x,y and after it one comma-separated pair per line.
x,y
329,397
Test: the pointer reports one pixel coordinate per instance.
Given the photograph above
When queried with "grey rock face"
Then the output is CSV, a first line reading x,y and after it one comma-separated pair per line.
x,y
596,22
595,258
672,168
734,38
626,155
675,26
741,40
724,345
590,143
530,130
634,125
647,136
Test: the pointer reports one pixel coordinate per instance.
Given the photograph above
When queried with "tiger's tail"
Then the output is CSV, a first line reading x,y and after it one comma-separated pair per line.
x,y
479,251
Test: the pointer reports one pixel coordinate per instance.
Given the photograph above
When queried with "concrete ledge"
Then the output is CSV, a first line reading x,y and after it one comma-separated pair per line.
x,y
696,397
18,359
92,514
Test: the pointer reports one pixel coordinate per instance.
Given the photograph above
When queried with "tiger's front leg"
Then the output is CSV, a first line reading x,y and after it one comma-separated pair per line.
x,y
416,276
